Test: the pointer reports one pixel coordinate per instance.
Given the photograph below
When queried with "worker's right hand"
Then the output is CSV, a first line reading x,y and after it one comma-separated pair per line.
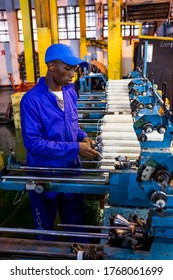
x,y
85,150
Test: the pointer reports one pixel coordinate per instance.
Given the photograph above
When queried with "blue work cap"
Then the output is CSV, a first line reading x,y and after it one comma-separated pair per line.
x,y
65,54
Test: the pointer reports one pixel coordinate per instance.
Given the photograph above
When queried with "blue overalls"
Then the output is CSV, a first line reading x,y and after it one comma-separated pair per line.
x,y
51,139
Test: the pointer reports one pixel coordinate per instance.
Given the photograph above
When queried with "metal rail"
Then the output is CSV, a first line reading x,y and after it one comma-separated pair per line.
x,y
59,179
54,233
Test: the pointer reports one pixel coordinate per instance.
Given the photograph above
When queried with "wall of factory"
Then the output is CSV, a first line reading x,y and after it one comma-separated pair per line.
x,y
9,51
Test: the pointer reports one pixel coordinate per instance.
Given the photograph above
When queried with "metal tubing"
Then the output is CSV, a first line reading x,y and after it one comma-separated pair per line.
x,y
96,227
54,233
54,179
60,169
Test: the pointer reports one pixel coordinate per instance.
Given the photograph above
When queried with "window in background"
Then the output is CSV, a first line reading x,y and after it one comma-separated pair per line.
x,y
90,22
105,21
4,34
130,31
68,22
20,28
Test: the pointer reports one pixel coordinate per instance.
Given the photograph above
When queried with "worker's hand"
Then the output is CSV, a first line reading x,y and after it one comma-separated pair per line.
x,y
90,141
85,150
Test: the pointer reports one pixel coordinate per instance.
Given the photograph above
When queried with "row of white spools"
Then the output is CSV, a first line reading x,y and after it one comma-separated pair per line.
x,y
117,134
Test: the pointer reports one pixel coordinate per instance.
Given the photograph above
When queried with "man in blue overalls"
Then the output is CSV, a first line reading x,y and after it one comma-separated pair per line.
x,y
52,136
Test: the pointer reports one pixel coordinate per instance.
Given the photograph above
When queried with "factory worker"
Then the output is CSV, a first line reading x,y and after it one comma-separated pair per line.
x,y
52,136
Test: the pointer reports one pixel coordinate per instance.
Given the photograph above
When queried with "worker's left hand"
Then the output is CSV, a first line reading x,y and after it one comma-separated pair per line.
x,y
90,141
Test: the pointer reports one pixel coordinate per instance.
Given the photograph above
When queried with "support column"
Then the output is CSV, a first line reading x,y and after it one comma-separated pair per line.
x,y
54,21
42,12
114,40
28,41
83,46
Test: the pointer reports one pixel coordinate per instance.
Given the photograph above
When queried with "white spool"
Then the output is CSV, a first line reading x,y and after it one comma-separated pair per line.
x,y
130,156
116,88
118,135
117,119
107,161
122,143
117,98
155,136
109,167
125,113
120,81
117,93
117,149
118,106
117,127
119,111
114,102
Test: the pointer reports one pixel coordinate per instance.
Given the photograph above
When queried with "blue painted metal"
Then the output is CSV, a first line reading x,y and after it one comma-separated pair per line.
x,y
145,59
134,74
92,96
86,81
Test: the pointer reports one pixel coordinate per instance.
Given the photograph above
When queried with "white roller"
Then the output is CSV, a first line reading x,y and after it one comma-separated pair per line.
x,y
120,81
116,149
130,156
118,135
109,167
117,118
120,105
125,113
118,102
123,86
119,111
122,143
155,136
115,127
117,98
107,161
117,88
117,93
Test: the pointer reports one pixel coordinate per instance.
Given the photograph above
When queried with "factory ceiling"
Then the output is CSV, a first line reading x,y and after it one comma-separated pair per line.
x,y
151,10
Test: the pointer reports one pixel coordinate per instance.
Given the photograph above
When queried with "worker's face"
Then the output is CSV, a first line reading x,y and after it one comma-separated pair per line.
x,y
61,73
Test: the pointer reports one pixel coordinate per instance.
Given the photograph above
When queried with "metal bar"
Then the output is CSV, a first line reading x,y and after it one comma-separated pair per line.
x,y
54,179
60,169
145,58
90,124
91,102
54,233
94,110
96,227
89,120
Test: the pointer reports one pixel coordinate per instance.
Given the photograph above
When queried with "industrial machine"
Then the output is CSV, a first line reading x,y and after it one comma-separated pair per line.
x,y
92,96
133,176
